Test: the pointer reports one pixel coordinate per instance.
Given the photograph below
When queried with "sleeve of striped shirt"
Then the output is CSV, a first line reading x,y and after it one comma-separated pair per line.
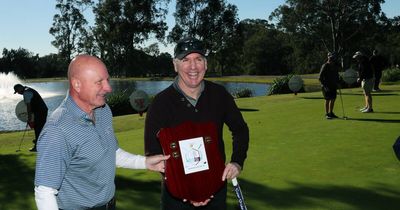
x,y
45,198
127,160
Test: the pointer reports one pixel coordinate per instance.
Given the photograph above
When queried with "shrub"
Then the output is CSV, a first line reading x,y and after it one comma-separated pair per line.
x,y
391,75
119,103
242,93
280,85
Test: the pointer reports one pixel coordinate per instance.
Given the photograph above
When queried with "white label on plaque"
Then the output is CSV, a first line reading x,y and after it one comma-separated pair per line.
x,y
194,155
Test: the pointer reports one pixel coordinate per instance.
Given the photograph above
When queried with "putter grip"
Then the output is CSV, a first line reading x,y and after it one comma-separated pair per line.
x,y
234,182
239,194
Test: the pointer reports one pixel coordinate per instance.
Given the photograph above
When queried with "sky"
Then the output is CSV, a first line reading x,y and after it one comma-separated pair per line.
x,y
26,23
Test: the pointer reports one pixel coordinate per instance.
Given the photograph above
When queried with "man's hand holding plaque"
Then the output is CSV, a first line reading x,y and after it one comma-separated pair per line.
x,y
232,170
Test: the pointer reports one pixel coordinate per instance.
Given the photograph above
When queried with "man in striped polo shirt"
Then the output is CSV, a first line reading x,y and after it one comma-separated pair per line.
x,y
78,151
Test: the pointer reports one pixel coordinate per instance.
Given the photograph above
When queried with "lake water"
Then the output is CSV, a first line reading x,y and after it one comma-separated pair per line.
x,y
54,92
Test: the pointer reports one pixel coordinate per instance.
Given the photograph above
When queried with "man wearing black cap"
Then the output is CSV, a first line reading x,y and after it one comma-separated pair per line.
x,y
378,63
366,77
36,108
329,78
191,98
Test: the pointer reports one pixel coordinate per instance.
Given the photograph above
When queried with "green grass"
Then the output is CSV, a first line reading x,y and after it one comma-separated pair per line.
x,y
297,159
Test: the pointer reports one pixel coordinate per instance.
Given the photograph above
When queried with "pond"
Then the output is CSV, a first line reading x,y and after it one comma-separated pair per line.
x,y
54,92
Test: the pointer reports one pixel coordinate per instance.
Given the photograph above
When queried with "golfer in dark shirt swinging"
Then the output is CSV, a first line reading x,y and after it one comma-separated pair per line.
x,y
36,108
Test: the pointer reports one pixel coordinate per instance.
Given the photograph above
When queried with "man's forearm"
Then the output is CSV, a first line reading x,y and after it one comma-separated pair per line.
x,y
45,198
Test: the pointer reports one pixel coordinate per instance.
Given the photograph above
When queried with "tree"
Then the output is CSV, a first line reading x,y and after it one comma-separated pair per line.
x,y
122,26
20,61
152,49
164,65
263,49
212,21
26,64
329,25
387,40
68,26
87,42
51,66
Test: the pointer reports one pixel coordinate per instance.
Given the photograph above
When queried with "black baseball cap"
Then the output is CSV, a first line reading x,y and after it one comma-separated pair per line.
x,y
188,45
17,86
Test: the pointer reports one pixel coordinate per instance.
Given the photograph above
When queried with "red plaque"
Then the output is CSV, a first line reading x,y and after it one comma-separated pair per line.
x,y
194,170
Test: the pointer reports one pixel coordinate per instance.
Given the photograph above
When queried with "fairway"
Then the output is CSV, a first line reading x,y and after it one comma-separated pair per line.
x,y
297,159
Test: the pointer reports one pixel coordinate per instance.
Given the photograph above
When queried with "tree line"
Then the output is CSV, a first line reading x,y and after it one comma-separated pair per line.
x,y
295,38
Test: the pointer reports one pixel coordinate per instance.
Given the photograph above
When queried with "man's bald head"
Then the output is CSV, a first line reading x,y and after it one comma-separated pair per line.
x,y
82,63
89,82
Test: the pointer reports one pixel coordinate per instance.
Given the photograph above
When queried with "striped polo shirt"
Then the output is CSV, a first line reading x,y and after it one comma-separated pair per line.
x,y
76,156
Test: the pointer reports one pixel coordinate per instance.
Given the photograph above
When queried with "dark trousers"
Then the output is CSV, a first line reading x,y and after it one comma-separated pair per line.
x,y
378,76
168,202
329,93
40,120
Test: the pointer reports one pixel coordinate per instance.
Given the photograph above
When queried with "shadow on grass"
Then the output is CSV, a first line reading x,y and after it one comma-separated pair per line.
x,y
375,120
16,182
384,94
378,196
313,98
387,112
137,194
373,94
248,110
352,94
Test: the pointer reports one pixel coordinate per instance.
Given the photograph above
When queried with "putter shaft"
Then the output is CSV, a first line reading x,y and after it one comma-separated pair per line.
x,y
22,139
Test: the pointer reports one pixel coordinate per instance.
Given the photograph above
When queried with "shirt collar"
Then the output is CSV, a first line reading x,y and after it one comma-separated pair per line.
x,y
77,112
192,101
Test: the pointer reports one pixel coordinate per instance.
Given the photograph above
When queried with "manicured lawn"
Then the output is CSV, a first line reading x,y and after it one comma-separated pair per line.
x,y
297,159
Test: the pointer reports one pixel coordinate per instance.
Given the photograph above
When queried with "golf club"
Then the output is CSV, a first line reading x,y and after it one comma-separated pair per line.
x,y
22,139
239,194
341,100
